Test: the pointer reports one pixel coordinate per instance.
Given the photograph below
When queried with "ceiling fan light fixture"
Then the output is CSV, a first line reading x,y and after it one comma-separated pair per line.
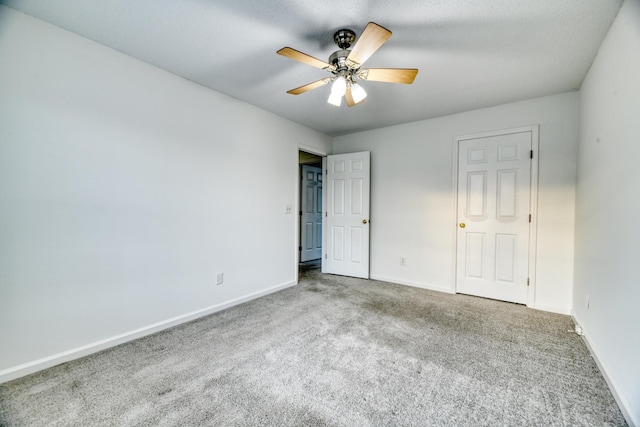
x,y
335,99
358,93
339,86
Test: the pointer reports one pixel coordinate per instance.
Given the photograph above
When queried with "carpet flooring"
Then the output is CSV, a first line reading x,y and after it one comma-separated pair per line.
x,y
332,351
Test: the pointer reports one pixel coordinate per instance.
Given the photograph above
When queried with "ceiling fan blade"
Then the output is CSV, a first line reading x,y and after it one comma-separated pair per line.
x,y
349,97
303,57
370,40
308,87
388,75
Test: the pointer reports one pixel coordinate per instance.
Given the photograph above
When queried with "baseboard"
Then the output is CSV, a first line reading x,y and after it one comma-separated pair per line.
x,y
621,400
552,309
85,350
412,284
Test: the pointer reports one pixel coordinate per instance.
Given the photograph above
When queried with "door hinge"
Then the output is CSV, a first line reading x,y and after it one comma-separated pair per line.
x,y
301,214
527,281
326,214
529,217
531,154
299,248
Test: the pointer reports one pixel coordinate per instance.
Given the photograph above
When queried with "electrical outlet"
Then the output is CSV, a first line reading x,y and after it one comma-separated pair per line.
x,y
403,261
219,278
288,209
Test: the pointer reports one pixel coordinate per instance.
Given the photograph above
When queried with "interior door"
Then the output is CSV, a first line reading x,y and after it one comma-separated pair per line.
x,y
347,215
311,213
494,185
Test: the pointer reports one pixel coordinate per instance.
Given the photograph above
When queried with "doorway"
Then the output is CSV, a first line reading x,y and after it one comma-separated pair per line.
x,y
334,218
310,211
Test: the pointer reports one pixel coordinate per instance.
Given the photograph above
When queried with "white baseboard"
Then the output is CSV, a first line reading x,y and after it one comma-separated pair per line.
x,y
552,309
621,400
85,350
413,284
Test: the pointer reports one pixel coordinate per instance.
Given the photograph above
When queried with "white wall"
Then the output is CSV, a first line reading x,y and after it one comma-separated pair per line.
x,y
607,242
412,194
123,191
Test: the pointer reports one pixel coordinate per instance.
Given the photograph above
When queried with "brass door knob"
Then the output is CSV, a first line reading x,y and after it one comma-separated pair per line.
x,y
462,225
364,221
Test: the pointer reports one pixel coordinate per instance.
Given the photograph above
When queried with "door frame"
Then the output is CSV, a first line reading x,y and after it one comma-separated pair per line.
x,y
533,202
298,201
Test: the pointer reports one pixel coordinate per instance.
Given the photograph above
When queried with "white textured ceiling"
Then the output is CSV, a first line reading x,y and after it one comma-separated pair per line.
x,y
470,53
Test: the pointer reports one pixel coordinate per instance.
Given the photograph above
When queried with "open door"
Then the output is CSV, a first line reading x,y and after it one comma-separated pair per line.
x,y
346,220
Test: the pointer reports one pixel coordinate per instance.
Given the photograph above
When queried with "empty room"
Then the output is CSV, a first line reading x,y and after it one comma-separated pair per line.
x,y
440,231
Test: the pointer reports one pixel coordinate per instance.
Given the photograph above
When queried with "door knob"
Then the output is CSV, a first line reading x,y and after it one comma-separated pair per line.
x,y
462,225
364,221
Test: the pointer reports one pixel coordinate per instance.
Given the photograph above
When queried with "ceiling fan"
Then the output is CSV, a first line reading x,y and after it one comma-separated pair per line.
x,y
345,65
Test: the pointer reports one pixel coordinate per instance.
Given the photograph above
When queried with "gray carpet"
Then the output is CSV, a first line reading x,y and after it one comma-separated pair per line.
x,y
332,351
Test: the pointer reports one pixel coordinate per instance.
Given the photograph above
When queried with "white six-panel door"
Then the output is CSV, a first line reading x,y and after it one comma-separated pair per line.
x,y
311,213
347,215
494,185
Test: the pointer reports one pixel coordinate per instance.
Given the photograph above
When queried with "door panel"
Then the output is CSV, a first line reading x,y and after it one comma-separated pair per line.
x,y
475,255
506,257
347,220
356,196
494,188
337,243
507,194
356,245
338,197
477,194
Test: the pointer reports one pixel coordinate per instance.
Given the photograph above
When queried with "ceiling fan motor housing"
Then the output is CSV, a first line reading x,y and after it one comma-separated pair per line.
x,y
338,58
344,38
